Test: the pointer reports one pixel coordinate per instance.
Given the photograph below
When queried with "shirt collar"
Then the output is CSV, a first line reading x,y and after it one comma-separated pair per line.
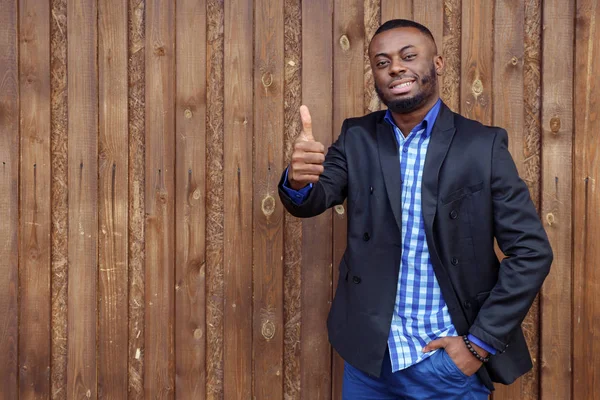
x,y
427,122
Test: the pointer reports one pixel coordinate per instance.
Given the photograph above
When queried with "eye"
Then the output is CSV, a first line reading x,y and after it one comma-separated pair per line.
x,y
381,63
410,57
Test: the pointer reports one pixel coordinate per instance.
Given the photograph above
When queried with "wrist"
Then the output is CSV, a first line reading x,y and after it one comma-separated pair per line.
x,y
477,352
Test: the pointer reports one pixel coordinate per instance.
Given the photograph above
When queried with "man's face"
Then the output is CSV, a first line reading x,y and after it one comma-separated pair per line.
x,y
405,68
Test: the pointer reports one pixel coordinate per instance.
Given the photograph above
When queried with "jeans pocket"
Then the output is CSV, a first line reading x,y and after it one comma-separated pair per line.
x,y
451,367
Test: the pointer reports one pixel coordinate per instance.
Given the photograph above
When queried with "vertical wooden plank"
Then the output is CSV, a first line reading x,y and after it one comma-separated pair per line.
x,y
293,226
190,320
268,214
136,198
238,199
348,96
557,125
160,199
34,243
508,107
9,197
586,375
476,57
59,177
372,11
317,61
113,171
392,9
431,14
530,168
451,50
83,198
214,200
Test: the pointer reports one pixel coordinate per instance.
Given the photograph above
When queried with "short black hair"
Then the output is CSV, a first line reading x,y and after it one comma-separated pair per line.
x,y
404,23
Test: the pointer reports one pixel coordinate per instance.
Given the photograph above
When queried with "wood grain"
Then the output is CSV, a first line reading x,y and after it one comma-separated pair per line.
x,y
586,202
508,107
214,200
160,200
267,211
317,71
393,9
348,95
372,12
34,243
59,201
190,258
113,198
531,169
431,14
292,302
476,60
238,204
136,198
557,125
451,50
83,198
9,197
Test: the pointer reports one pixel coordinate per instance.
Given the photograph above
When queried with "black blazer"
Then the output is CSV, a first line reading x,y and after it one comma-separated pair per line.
x,y
471,194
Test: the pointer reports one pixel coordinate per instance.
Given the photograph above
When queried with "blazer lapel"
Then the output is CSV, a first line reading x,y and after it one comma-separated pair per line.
x,y
390,167
441,137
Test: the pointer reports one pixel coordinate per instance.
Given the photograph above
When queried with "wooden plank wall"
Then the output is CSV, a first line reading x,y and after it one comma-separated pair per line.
x,y
144,252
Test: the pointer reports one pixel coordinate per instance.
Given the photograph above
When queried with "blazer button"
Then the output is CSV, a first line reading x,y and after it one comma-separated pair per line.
x,y
366,236
356,279
453,214
467,304
454,261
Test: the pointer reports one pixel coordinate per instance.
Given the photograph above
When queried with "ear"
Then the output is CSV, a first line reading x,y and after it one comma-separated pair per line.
x,y
439,64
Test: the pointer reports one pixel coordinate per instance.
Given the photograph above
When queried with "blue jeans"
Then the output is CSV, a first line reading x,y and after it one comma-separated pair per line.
x,y
436,377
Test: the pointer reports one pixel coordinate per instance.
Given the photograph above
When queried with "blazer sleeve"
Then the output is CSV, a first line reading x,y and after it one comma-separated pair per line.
x,y
330,190
527,251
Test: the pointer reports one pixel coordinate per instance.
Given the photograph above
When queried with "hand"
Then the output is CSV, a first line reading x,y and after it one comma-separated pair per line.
x,y
308,156
457,350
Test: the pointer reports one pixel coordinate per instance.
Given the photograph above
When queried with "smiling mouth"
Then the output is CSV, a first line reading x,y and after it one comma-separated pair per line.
x,y
402,87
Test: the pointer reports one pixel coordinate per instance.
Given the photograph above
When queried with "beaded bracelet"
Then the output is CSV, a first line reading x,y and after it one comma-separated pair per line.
x,y
473,351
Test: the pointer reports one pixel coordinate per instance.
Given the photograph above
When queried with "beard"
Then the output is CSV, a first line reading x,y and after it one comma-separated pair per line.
x,y
428,84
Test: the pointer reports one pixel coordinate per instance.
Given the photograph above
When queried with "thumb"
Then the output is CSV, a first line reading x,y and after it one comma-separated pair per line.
x,y
434,345
306,124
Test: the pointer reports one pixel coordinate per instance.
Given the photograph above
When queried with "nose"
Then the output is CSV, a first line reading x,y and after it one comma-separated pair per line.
x,y
397,67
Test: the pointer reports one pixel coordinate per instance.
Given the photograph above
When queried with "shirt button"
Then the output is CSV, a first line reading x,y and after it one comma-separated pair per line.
x,y
405,150
453,214
371,189
366,236
356,279
454,261
467,304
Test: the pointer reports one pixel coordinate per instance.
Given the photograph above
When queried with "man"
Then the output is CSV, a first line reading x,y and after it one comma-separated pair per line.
x,y
422,301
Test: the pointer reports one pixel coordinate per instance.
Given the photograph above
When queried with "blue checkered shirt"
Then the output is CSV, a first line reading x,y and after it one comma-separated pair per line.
x,y
420,313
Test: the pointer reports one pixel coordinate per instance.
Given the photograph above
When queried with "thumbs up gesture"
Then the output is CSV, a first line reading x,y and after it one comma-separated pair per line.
x,y
308,156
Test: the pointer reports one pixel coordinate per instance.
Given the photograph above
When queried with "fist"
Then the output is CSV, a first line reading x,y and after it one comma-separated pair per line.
x,y
308,156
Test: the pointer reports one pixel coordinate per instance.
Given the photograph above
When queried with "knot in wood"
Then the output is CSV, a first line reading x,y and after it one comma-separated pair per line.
x,y
267,79
187,113
550,219
344,43
196,194
477,87
339,209
268,330
514,60
159,51
198,334
555,125
268,205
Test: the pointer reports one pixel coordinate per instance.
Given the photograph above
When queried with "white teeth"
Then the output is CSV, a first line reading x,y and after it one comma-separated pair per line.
x,y
405,84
